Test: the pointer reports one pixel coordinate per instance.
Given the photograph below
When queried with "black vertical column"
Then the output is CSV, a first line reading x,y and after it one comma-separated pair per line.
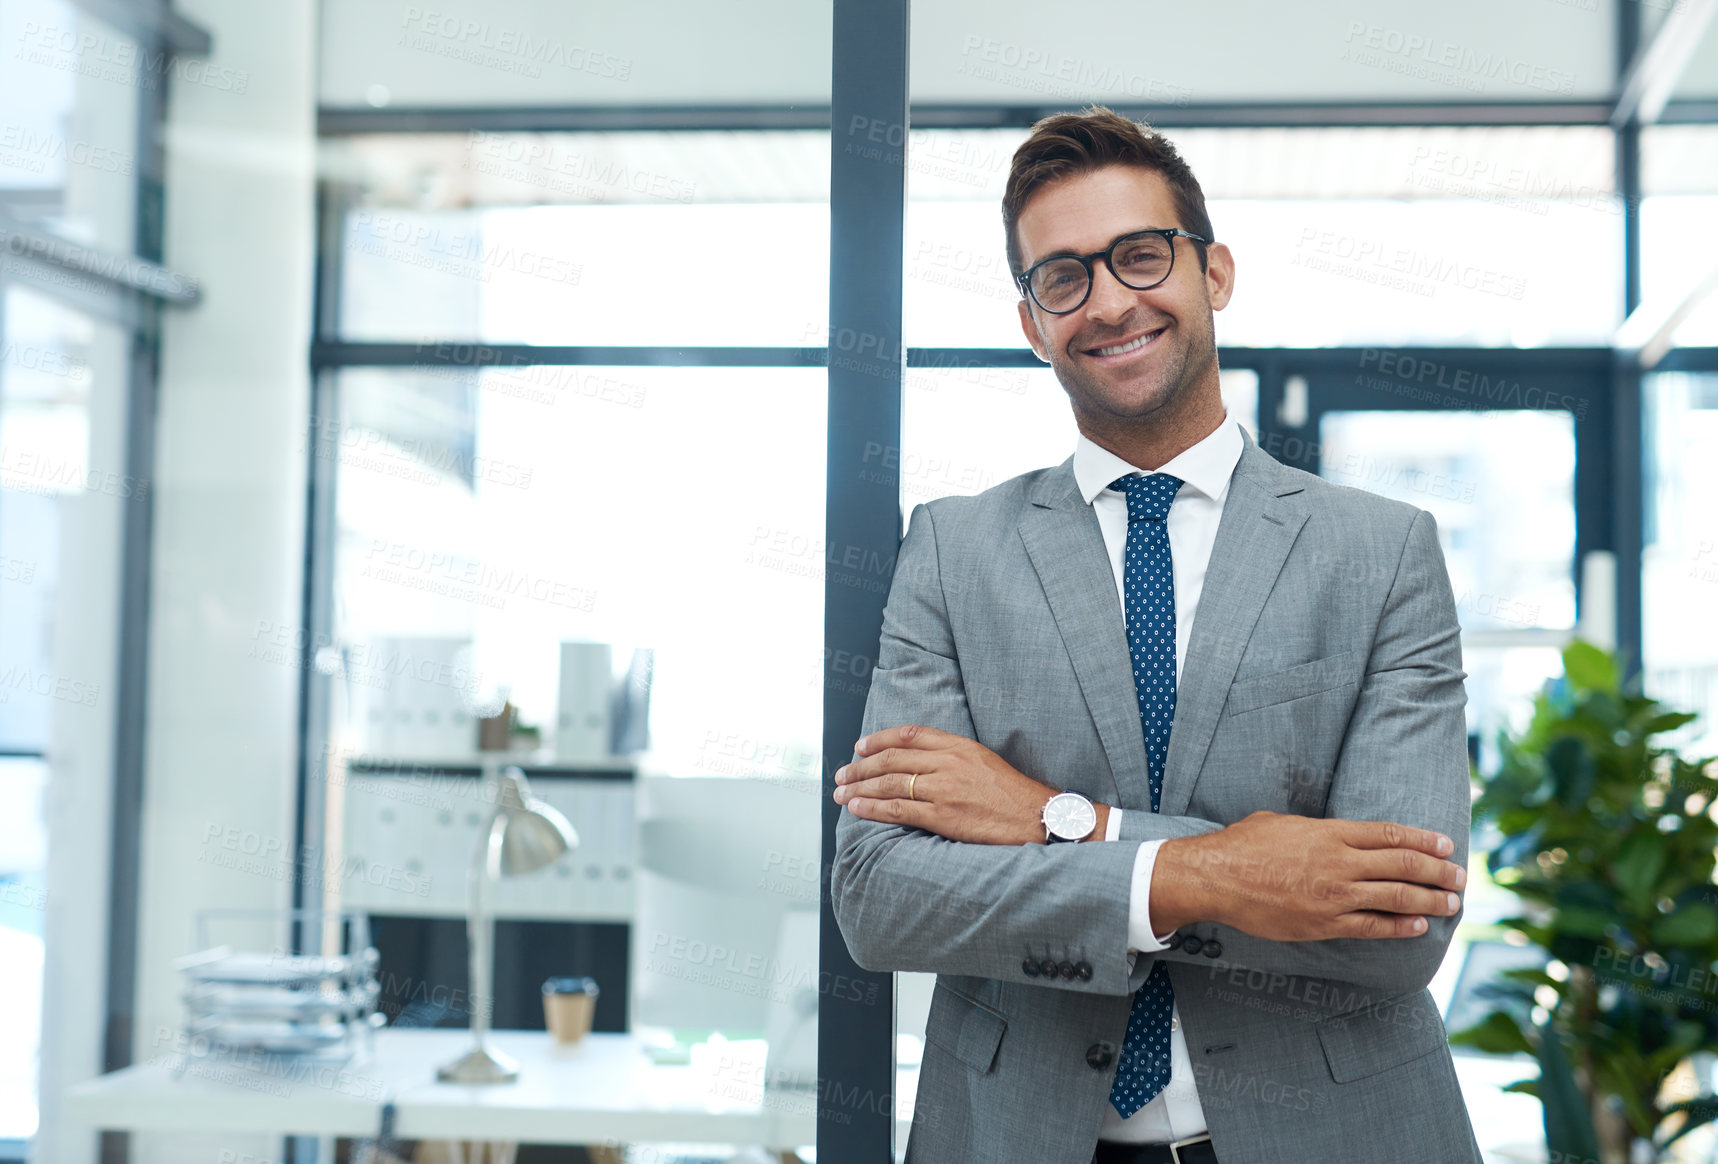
x,y
867,214
136,558
1628,495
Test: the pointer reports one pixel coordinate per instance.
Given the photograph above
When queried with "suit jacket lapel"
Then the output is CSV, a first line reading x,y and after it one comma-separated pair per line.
x,y
1066,548
1261,519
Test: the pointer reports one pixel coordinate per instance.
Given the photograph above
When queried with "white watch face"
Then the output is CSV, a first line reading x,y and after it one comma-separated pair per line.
x,y
1070,816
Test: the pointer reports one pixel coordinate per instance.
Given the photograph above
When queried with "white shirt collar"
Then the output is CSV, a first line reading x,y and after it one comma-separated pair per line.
x,y
1206,467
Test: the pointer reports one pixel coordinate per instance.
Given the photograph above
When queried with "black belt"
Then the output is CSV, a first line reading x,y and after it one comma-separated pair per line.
x,y
1197,1150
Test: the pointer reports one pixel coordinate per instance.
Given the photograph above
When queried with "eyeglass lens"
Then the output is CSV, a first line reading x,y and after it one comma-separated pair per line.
x,y
1141,261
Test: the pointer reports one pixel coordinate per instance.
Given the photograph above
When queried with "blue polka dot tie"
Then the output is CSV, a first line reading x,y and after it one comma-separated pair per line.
x,y
1148,587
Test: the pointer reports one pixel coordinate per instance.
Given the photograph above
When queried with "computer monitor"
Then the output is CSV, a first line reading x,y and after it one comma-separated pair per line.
x,y
728,872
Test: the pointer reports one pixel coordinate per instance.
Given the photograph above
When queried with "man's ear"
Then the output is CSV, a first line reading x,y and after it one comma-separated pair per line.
x,y
1030,327
1219,275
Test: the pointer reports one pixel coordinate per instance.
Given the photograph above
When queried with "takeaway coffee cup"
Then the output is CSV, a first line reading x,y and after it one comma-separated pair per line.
x,y
568,1004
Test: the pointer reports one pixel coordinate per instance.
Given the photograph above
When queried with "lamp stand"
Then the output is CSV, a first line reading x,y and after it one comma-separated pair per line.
x,y
480,1064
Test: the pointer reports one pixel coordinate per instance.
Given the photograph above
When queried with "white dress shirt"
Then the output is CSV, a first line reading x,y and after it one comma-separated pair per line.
x,y
1205,470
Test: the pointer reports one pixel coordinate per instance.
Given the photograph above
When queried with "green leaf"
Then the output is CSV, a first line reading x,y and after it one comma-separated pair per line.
x,y
1690,925
1525,1087
1568,1122
1534,978
1583,922
1496,1034
1589,667
1670,721
1637,866
1572,771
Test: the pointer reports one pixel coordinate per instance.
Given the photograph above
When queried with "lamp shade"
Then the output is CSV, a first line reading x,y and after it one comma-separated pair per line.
x,y
534,833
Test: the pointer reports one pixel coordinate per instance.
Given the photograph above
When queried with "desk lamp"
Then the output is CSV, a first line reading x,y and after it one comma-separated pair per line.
x,y
522,835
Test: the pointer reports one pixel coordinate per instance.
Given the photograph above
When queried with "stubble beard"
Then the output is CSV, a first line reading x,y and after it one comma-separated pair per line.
x,y
1096,406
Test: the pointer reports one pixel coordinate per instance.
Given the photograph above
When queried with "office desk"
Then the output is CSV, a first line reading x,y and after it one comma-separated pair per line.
x,y
601,1090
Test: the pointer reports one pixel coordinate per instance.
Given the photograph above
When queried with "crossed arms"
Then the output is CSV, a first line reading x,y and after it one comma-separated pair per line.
x,y
953,881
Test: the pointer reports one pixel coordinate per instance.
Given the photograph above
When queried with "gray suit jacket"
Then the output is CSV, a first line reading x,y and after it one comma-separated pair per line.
x,y
1323,678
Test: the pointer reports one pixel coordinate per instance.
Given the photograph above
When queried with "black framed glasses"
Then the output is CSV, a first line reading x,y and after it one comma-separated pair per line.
x,y
1140,260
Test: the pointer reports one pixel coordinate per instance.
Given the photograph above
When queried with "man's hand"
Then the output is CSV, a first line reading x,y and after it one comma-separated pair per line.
x,y
945,784
1296,879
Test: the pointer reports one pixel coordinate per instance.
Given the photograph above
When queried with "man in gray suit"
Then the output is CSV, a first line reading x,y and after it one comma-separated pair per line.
x,y
1233,687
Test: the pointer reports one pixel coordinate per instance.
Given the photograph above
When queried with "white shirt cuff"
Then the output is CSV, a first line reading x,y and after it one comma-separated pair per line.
x,y
1140,935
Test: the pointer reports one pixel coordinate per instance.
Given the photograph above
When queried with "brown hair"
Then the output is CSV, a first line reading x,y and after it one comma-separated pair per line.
x,y
1067,144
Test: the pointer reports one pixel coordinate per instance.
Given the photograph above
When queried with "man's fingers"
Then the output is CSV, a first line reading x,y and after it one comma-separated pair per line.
x,y
1362,924
1402,900
909,735
1383,834
891,811
892,786
882,764
1405,865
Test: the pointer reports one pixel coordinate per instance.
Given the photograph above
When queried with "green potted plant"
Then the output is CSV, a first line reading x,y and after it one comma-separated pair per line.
x,y
1609,840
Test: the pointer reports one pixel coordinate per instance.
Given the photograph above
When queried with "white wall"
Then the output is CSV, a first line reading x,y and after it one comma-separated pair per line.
x,y
229,497
544,52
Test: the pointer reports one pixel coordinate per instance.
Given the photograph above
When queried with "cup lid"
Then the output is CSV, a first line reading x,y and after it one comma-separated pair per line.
x,y
572,986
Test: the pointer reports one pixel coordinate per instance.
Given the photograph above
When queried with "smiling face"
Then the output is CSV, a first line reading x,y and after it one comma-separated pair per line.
x,y
1128,359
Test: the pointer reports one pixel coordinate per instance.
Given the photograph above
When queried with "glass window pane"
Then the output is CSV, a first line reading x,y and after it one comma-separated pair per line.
x,y
1679,573
572,238
632,559
1501,486
964,430
1435,235
60,498
68,133
23,900
661,507
45,361
1679,227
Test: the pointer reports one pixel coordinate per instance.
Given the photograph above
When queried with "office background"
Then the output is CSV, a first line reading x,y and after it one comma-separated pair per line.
x,y
355,355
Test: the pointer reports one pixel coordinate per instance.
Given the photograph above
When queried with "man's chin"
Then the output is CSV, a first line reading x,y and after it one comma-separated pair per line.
x,y
1128,402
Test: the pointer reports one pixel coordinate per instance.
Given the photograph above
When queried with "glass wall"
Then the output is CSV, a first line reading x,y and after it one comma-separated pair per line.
x,y
605,567
68,168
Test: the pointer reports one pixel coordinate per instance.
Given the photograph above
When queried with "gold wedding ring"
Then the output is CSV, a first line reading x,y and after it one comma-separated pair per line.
x,y
910,782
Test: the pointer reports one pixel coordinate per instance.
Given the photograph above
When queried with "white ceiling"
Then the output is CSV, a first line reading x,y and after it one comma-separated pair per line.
x,y
695,52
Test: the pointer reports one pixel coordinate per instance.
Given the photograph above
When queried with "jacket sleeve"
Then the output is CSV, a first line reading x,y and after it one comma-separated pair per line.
x,y
907,899
1403,759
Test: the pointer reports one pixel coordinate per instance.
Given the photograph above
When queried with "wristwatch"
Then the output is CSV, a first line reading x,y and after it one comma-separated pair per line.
x,y
1068,817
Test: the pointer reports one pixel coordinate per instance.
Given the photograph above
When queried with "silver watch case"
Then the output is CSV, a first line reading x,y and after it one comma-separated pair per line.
x,y
1068,817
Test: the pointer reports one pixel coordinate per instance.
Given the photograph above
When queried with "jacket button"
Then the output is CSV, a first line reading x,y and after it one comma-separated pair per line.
x,y
1100,1055
1213,949
1029,968
1083,971
1173,941
1067,971
1191,944
1048,968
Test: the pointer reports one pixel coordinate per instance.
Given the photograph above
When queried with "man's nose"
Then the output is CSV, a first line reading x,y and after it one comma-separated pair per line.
x,y
1110,297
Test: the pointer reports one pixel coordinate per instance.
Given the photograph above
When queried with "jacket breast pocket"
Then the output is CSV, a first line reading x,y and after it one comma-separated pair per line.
x,y
965,1028
1382,1035
1292,683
